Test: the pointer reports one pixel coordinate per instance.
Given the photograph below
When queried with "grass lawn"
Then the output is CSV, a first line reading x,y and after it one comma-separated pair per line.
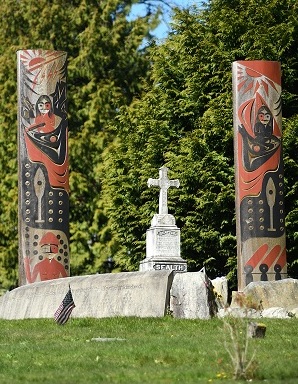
x,y
155,350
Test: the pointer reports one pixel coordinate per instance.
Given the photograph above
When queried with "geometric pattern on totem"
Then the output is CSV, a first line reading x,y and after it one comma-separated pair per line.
x,y
264,215
264,259
42,206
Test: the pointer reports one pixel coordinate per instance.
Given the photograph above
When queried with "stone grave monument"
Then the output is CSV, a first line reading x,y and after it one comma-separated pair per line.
x,y
163,237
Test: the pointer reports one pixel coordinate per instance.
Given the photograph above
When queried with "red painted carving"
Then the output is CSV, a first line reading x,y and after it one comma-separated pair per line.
x,y
43,166
258,171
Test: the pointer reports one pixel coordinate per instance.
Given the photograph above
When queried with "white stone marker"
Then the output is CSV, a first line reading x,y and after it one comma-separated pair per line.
x,y
163,237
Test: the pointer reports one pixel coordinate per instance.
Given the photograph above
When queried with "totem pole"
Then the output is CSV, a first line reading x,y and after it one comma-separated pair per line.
x,y
43,166
260,214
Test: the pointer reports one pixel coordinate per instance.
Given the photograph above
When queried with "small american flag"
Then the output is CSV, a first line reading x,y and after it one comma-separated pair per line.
x,y
65,308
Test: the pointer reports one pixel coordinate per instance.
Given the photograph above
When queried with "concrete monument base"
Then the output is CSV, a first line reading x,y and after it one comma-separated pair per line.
x,y
163,246
176,265
141,294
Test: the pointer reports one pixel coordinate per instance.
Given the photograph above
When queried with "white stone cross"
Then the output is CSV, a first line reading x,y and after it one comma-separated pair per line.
x,y
164,183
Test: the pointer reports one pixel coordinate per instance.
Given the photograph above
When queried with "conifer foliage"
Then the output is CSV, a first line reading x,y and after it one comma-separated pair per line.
x,y
105,68
132,110
185,121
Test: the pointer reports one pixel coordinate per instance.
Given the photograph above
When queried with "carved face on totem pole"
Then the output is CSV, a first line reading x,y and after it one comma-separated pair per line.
x,y
44,106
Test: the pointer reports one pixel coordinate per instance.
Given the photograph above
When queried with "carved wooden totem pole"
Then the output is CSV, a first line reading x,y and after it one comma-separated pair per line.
x,y
260,213
43,166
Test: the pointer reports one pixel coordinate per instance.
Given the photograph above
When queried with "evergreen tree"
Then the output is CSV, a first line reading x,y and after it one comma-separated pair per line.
x,y
106,67
120,135
185,121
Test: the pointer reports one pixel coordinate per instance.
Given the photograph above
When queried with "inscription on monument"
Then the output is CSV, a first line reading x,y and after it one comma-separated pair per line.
x,y
121,287
170,267
167,241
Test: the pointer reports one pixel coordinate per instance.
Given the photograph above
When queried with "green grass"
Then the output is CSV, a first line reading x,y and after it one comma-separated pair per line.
x,y
162,350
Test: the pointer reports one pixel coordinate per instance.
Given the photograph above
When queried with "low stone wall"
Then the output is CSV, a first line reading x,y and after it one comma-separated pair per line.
x,y
188,295
142,294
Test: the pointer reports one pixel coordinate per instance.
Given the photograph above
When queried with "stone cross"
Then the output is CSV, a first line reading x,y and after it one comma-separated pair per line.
x,y
164,183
